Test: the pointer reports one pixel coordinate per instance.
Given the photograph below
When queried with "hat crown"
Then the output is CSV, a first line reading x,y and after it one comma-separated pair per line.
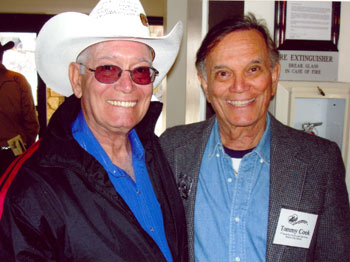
x,y
65,35
117,7
116,14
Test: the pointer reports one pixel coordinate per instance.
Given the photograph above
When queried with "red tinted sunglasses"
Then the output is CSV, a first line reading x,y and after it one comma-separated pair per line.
x,y
109,74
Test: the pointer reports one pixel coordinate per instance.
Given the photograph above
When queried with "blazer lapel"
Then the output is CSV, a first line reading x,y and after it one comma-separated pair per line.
x,y
287,177
188,159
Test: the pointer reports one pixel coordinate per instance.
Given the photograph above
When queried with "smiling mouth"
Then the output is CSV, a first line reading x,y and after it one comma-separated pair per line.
x,y
121,103
241,102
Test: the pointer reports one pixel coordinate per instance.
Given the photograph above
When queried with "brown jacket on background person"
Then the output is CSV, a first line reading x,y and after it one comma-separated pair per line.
x,y
17,110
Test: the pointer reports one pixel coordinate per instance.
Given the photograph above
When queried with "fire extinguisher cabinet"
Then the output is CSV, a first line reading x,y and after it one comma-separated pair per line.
x,y
319,108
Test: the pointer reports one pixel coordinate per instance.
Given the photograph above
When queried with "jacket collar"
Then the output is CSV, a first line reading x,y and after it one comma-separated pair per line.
x,y
58,146
287,177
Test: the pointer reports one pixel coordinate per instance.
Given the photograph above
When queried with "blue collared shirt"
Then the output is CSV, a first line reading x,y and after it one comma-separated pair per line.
x,y
231,211
138,194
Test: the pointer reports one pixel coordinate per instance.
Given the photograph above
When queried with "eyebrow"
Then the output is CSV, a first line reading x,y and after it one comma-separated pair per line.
x,y
216,67
256,61
145,60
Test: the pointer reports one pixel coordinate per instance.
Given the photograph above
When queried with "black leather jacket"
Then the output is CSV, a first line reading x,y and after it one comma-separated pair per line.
x,y
61,206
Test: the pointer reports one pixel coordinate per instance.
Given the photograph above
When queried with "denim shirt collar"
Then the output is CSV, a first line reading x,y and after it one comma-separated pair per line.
x,y
262,149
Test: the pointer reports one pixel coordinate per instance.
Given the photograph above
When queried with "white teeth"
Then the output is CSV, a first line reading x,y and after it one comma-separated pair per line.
x,y
240,103
121,103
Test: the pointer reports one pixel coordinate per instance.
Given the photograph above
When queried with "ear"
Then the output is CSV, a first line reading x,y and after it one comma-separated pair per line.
x,y
75,79
275,75
204,85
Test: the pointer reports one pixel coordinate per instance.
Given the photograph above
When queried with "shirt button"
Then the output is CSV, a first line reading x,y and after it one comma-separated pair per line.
x,y
217,155
229,180
238,259
261,161
138,192
237,219
114,172
152,229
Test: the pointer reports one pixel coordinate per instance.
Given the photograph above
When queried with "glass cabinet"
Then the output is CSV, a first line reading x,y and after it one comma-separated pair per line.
x,y
319,108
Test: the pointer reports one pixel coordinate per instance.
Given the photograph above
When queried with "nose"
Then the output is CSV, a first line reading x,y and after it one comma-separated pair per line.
x,y
239,83
125,83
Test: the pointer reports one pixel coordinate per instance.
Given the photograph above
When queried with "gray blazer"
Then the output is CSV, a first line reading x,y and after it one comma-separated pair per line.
x,y
306,174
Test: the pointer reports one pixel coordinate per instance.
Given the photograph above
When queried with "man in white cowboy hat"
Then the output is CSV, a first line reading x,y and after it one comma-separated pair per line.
x,y
17,111
97,186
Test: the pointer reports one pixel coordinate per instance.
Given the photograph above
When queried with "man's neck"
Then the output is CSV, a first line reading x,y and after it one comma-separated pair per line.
x,y
242,138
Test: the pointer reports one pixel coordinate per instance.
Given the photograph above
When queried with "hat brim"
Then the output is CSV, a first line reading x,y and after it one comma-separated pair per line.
x,y
64,36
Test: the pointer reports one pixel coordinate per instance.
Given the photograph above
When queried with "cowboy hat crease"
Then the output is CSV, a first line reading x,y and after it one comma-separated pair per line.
x,y
66,35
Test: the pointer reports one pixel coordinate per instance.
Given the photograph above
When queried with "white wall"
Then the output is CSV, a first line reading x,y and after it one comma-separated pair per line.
x,y
175,94
262,10
183,95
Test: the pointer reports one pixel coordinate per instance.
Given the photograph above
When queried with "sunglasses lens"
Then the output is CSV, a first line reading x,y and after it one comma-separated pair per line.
x,y
142,75
108,73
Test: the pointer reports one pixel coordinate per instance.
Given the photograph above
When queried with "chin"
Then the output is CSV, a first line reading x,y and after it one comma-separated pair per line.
x,y
243,122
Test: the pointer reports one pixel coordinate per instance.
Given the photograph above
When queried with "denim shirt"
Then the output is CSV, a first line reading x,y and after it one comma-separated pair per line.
x,y
138,194
231,211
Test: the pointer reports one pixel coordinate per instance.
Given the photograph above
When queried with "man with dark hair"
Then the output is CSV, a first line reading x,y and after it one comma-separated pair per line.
x,y
253,188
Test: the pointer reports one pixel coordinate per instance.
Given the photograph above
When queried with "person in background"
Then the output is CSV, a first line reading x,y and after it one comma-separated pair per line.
x,y
97,187
17,111
253,188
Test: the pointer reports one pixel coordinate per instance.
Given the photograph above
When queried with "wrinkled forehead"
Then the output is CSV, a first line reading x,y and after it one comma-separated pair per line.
x,y
125,48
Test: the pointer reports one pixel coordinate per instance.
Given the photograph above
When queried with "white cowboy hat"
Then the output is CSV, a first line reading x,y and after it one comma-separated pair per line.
x,y
65,35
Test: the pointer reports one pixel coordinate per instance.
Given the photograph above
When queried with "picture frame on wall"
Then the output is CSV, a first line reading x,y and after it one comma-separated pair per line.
x,y
307,25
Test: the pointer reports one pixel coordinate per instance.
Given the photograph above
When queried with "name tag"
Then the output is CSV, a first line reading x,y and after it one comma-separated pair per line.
x,y
295,228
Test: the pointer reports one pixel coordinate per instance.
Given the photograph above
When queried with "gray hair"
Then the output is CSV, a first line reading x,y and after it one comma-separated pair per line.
x,y
82,59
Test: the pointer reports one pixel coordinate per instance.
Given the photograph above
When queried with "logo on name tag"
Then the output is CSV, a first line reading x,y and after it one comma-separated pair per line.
x,y
295,228
294,220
